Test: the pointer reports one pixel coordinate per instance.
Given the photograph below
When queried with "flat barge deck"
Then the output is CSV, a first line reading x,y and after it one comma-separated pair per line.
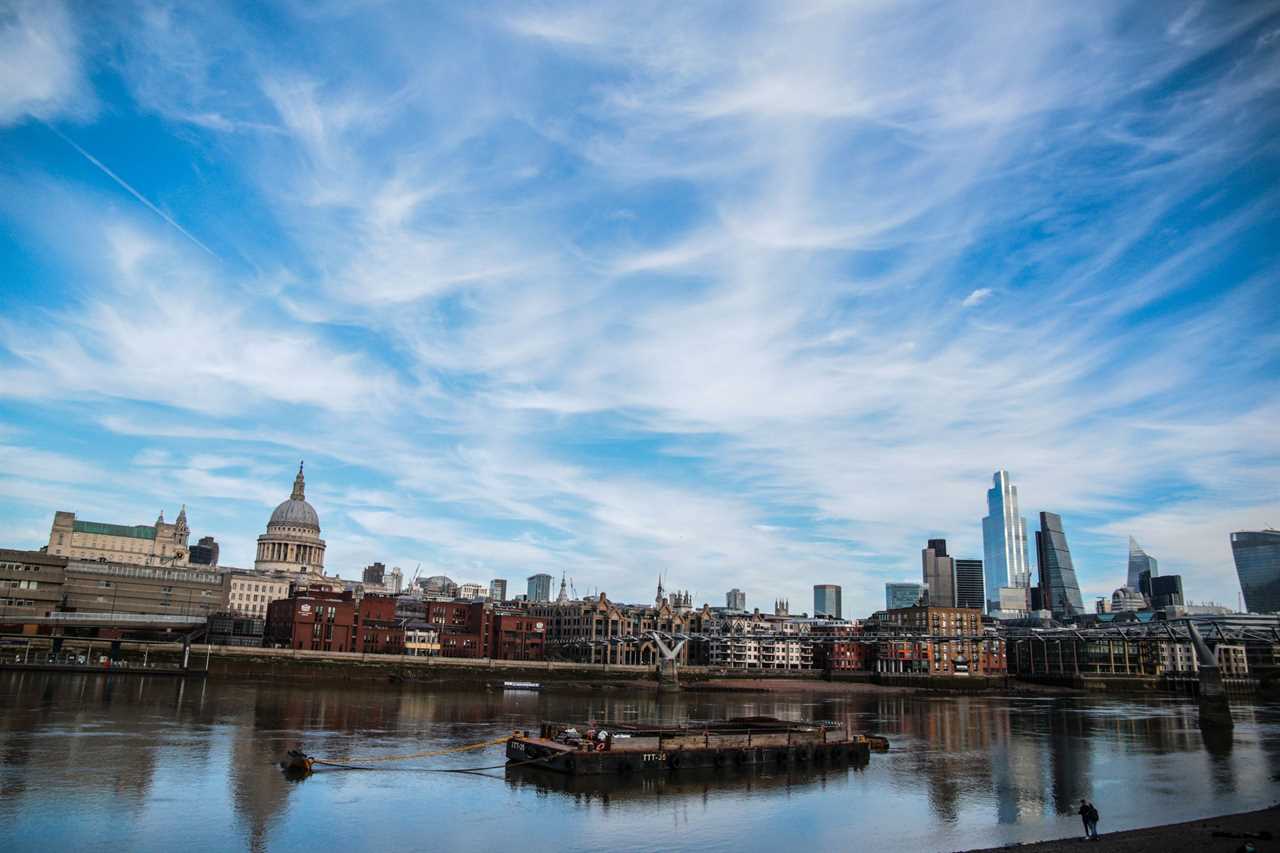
x,y
635,748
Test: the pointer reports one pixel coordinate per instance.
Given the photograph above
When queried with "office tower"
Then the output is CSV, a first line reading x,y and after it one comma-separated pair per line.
x,y
1102,605
939,574
1139,561
969,584
204,552
498,589
1004,541
826,600
899,595
540,587
1257,554
1127,599
735,599
373,574
1166,591
1058,582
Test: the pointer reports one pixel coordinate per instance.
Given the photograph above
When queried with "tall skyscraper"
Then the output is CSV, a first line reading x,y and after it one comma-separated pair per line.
x,y
1060,590
498,589
540,587
899,595
939,572
735,599
969,584
1139,561
826,600
1004,541
1257,554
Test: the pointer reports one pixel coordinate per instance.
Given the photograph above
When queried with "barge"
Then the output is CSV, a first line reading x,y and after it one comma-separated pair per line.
x,y
626,748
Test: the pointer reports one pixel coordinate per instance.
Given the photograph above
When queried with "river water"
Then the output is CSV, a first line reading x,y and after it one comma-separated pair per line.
x,y
136,764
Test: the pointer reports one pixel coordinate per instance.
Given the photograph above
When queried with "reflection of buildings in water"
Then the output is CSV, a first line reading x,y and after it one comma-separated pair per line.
x,y
1069,736
1017,763
114,761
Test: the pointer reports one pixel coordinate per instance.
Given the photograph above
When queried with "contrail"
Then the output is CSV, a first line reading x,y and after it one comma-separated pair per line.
x,y
139,196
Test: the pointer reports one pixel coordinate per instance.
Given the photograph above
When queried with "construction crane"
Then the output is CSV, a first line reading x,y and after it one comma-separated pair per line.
x,y
415,577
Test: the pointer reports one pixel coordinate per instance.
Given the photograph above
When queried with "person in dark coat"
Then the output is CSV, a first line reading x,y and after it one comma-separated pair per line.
x,y
1089,816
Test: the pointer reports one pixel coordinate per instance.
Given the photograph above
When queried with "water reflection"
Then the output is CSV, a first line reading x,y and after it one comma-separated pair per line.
x,y
138,762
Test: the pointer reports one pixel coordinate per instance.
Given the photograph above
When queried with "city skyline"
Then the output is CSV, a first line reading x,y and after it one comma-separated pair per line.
x,y
758,298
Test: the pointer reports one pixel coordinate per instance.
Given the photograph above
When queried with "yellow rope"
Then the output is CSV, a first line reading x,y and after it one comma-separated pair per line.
x,y
429,754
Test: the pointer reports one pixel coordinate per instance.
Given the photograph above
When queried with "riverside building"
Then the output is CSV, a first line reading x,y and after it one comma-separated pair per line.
x,y
1004,541
159,544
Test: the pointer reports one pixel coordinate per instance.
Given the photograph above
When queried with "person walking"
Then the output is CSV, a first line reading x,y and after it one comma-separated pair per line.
x,y
1089,816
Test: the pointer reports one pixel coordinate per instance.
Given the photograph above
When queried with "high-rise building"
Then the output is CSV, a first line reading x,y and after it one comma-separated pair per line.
x,y
204,552
540,587
1058,584
1257,555
1139,561
498,589
394,581
1166,591
826,600
1004,541
939,572
374,574
735,599
969,584
899,595
1127,599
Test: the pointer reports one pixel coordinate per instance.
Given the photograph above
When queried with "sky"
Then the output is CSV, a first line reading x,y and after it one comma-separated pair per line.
x,y
745,295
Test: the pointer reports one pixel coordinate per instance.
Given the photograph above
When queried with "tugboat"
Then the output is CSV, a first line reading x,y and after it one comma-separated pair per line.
x,y
625,748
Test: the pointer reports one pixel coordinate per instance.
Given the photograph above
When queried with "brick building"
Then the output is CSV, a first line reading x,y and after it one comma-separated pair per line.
x,y
518,636
312,621
465,627
376,629
937,641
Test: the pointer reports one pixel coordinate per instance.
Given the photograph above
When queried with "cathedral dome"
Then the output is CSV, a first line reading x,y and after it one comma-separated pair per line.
x,y
296,512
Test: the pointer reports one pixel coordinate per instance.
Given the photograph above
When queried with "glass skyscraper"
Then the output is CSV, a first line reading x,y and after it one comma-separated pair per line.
x,y
1004,541
1139,561
899,595
1257,554
1058,582
826,600
540,587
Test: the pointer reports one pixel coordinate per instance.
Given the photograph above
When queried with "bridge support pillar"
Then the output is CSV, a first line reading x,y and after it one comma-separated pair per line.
x,y
1215,708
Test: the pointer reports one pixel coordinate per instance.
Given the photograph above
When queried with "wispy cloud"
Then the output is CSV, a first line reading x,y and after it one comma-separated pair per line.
x,y
685,288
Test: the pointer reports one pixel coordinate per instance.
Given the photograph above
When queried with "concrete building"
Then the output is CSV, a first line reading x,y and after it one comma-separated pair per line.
x,y
735,599
498,590
540,587
159,544
374,574
970,584
1257,558
421,639
30,584
292,542
1127,599
248,593
98,587
748,652
826,600
472,591
939,574
228,629
1004,541
899,595
439,587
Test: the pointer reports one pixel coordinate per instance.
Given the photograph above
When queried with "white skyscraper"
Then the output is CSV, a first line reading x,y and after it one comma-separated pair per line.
x,y
1004,541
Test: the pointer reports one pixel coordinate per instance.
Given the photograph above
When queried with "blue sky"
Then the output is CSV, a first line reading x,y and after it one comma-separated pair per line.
x,y
750,295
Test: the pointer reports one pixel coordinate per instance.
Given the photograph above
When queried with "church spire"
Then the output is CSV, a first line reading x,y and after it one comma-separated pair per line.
x,y
299,486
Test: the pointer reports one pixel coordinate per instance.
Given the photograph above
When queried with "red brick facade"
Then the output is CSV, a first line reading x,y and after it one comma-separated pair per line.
x,y
518,636
376,629
313,621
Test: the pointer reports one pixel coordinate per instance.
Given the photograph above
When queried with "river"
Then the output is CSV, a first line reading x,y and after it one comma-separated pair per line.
x,y
89,762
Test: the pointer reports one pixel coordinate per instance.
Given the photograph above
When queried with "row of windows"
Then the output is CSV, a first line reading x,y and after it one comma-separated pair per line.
x,y
19,567
20,584
17,602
